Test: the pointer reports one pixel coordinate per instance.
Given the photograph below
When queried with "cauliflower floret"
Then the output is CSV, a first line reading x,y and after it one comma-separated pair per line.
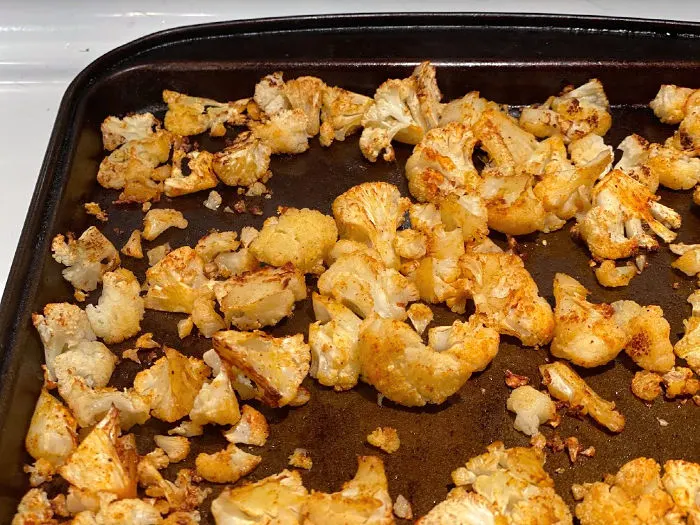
x,y
104,462
283,132
216,402
87,259
133,248
670,103
674,168
301,458
566,385
341,114
300,237
171,384
306,93
269,94
506,295
466,110
34,509
689,260
157,221
420,316
646,385
680,381
649,345
396,362
244,162
466,212
680,105
177,448
226,466
612,276
277,365
613,227
252,429
681,480
260,298
441,164
370,213
52,432
216,243
507,145
531,407
62,327
333,342
361,282
410,244
187,429
275,499
688,347
403,110
513,208
126,511
515,485
116,131
188,115
91,360
200,177
120,308
584,150
462,507
365,499
385,438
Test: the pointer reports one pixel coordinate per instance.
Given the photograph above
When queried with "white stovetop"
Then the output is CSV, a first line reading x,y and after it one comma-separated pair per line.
x,y
44,44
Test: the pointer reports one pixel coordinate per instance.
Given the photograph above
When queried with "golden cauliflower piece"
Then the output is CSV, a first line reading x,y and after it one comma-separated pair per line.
x,y
341,114
689,260
646,385
688,347
531,407
462,507
612,276
215,243
244,162
116,131
680,381
283,132
260,298
171,384
333,342
252,429
133,248
275,499
177,448
466,110
506,144
507,297
188,115
365,499
276,365
90,360
420,316
410,244
301,458
514,486
34,509
120,308
61,327
199,164
157,221
226,466
566,385
87,259
671,103
104,462
441,164
681,480
396,362
370,213
385,438
650,346
300,237
216,402
52,432
573,114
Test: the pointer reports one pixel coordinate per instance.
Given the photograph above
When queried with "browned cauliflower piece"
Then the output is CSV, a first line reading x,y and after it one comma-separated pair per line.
x,y
365,499
171,384
680,381
678,105
94,209
276,365
226,466
122,511
34,509
612,276
117,131
275,499
260,298
466,110
396,362
566,385
243,163
688,347
650,346
301,458
300,237
177,448
341,114
403,110
216,243
511,487
133,248
646,385
104,462
216,402
52,432
200,165
87,259
507,297
688,261
410,244
188,115
531,407
252,429
91,360
385,438
681,480
420,316
157,221
462,507
120,308
573,114
155,255
283,132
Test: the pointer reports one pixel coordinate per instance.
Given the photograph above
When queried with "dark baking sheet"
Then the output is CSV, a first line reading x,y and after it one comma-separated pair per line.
x,y
510,59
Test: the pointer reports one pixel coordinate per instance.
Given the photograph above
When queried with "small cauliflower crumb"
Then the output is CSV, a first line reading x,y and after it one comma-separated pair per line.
x,y
92,208
155,255
133,248
213,201
184,327
146,206
79,295
301,458
131,354
146,341
420,316
646,385
175,447
402,508
385,438
532,408
157,221
662,422
612,276
515,380
256,189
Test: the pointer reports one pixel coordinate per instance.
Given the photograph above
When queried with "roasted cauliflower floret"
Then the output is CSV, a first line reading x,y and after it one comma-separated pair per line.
x,y
120,308
341,114
614,227
681,480
306,93
52,432
226,466
462,507
531,407
371,213
680,381
515,486
507,297
670,103
277,365
365,499
171,384
117,131
269,94
260,298
396,362
216,402
566,385
157,221
649,345
188,115
244,162
689,260
385,438
132,247
646,385
466,110
90,360
333,342
506,144
300,237
199,164
87,259
420,316
34,509
688,347
410,244
283,132
177,448
252,429
612,276
677,105
62,327
104,462
674,168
